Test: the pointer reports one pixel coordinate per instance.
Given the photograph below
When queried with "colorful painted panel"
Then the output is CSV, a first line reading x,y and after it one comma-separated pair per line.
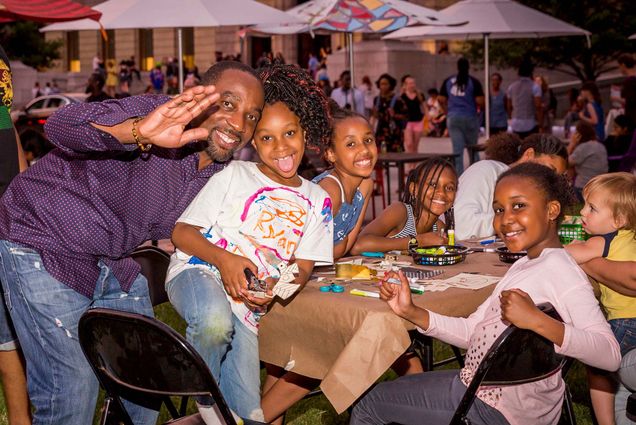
x,y
360,16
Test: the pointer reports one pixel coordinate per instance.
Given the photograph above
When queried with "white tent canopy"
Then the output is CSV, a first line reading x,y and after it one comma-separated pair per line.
x,y
499,19
122,14
125,14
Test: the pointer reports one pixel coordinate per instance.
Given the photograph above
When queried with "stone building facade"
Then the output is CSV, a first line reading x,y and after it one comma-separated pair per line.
x,y
150,46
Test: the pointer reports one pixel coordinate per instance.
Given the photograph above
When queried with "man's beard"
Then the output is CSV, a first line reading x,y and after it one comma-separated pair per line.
x,y
218,154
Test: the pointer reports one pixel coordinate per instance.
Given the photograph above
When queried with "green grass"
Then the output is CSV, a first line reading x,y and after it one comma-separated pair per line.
x,y
318,411
3,411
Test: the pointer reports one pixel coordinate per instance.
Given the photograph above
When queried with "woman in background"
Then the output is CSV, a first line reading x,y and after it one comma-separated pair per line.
x,y
389,111
587,156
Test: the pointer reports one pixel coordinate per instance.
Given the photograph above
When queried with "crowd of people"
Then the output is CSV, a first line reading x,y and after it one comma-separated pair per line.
x,y
401,113
114,81
155,166
49,88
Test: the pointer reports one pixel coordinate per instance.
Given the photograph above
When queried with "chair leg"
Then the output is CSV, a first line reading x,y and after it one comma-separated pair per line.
x,y
458,356
373,203
422,346
111,413
567,413
380,180
105,409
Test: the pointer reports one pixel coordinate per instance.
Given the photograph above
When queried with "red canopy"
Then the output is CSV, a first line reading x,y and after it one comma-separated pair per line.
x,y
45,11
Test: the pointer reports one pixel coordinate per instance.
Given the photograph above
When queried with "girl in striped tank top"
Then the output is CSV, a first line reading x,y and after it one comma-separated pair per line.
x,y
430,192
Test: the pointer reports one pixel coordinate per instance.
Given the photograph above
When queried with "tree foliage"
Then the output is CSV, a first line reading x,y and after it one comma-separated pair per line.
x,y
22,41
611,22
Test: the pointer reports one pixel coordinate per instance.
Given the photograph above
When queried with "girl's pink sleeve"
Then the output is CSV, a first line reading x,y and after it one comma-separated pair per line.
x,y
588,337
456,330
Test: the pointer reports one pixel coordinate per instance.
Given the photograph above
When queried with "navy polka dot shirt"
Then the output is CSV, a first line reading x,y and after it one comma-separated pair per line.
x,y
93,198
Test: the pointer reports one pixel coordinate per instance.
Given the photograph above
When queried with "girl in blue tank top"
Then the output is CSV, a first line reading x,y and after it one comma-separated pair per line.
x,y
352,153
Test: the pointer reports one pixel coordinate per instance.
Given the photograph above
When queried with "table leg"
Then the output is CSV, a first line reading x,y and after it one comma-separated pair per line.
x,y
422,345
388,183
400,179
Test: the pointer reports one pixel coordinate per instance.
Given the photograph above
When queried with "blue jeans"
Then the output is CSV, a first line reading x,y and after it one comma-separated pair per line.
x,y
625,332
228,347
423,398
8,338
463,131
45,312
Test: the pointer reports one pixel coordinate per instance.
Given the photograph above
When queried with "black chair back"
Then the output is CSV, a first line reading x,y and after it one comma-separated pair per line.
x,y
154,266
145,361
630,409
517,356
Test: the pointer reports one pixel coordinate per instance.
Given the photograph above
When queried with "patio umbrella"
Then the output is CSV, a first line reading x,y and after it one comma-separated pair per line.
x,y
349,16
126,14
491,19
45,11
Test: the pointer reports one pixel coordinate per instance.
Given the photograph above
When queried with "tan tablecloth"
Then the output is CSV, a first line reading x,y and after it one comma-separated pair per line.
x,y
349,341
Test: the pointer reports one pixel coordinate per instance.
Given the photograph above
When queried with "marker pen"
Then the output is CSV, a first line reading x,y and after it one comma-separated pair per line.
x,y
362,293
413,290
487,242
372,254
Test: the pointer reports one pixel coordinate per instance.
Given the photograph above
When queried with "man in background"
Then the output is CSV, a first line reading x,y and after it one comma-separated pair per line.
x,y
348,97
524,102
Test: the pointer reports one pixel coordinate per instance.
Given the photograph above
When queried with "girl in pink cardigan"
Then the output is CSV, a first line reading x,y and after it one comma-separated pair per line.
x,y
527,204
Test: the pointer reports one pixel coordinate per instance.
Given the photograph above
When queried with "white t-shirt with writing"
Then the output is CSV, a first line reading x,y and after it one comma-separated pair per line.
x,y
243,211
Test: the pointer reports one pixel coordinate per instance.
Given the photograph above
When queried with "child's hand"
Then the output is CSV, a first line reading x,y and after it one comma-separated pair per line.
x,y
398,296
232,270
431,238
518,308
258,303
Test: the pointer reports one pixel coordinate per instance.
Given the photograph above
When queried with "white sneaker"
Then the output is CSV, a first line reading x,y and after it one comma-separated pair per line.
x,y
211,415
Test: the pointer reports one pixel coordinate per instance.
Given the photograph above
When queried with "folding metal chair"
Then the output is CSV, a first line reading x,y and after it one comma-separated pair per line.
x,y
154,266
631,407
518,356
144,361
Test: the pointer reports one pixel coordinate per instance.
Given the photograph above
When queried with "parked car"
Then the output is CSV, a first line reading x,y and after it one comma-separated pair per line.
x,y
29,121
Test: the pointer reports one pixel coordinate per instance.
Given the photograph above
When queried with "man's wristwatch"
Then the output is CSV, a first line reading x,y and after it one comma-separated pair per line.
x,y
412,242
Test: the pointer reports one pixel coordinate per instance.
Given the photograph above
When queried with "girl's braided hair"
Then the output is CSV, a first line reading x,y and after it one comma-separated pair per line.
x,y
299,92
426,174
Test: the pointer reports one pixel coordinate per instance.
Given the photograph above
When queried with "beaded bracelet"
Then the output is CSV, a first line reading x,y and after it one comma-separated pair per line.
x,y
144,147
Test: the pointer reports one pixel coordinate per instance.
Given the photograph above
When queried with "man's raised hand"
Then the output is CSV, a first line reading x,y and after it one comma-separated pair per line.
x,y
165,126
